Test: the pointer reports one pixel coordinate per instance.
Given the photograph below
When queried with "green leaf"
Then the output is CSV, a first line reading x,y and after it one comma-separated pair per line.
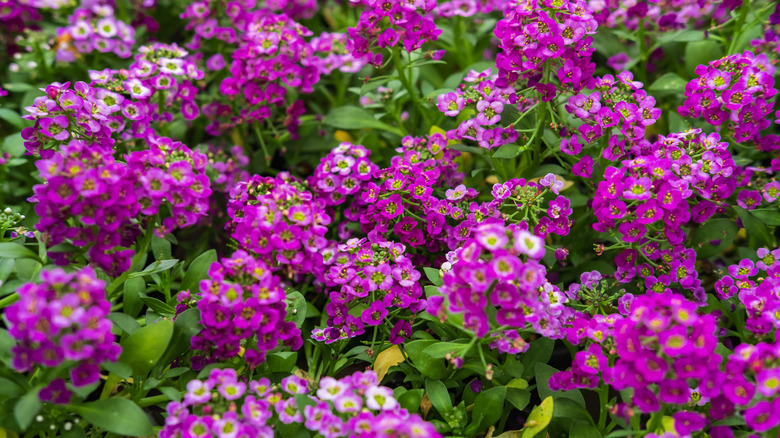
x,y
18,87
571,410
117,415
508,151
161,248
756,230
519,398
439,396
488,407
10,250
669,83
158,306
768,216
134,289
581,429
723,230
352,117
701,52
127,323
410,400
539,418
539,351
434,276
158,266
198,270
143,349
121,369
282,361
6,344
12,117
438,350
171,392
296,307
427,365
517,383
26,408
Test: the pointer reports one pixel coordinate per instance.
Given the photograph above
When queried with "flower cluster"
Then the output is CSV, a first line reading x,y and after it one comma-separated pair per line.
x,y
768,44
95,28
406,198
661,349
84,112
385,23
269,57
63,319
483,97
616,103
278,220
332,54
517,196
376,276
668,15
342,175
91,200
540,37
468,8
498,266
223,406
757,286
159,80
733,93
241,306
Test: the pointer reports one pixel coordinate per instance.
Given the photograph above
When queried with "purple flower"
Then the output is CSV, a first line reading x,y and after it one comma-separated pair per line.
x,y
552,182
391,207
55,127
451,103
489,112
374,314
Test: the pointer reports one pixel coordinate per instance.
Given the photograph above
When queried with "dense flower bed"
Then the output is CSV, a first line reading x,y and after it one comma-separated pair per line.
x,y
381,218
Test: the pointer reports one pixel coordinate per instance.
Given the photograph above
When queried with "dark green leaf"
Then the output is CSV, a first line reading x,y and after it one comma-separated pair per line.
x,y
158,266
488,407
721,230
539,351
18,87
701,52
26,408
768,216
582,429
118,415
439,396
352,117
427,365
519,398
143,349
282,361
161,248
410,400
6,344
198,270
756,230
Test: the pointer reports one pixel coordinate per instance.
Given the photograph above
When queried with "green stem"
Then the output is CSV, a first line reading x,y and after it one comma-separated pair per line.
x,y
149,401
10,299
260,138
144,247
743,12
400,68
603,399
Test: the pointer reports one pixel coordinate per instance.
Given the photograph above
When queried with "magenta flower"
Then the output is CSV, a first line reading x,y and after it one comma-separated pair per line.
x,y
374,314
451,104
55,127
391,207
489,112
